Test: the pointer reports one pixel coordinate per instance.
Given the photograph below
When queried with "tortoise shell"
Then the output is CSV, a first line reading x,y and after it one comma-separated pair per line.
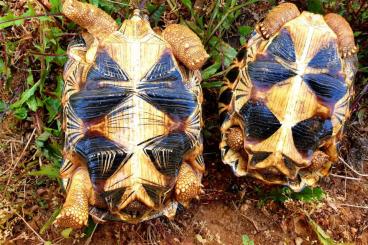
x,y
132,115
287,96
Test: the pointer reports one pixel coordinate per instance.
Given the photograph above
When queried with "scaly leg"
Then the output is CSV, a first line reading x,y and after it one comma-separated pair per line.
x,y
88,16
188,184
344,33
235,139
186,46
277,17
74,213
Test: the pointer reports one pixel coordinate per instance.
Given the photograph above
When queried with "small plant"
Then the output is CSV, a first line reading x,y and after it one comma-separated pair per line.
x,y
246,240
282,194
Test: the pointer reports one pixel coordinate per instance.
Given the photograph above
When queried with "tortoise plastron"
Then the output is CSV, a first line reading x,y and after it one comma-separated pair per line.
x,y
286,97
132,119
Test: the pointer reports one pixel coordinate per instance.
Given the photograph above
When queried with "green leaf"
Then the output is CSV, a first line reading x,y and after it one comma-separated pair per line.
x,y
49,222
66,232
55,6
157,13
246,240
90,227
282,194
40,141
215,84
245,30
209,71
21,113
25,96
49,170
53,107
94,2
309,194
315,6
3,106
321,234
29,79
187,4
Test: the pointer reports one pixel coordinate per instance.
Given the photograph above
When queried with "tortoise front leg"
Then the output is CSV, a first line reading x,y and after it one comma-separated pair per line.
x,y
74,213
186,46
88,16
277,17
344,33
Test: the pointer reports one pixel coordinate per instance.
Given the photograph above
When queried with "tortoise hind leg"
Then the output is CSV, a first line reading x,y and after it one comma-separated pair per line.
x,y
344,33
188,185
277,17
74,213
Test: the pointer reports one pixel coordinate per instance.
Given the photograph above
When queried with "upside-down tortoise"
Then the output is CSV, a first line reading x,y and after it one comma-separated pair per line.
x,y
286,97
132,119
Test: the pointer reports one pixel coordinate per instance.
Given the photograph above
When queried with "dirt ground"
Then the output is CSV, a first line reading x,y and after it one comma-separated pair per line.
x,y
231,210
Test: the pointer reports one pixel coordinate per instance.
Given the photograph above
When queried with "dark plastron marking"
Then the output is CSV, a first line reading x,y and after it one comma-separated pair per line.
x,y
267,69
282,46
106,69
103,156
89,104
308,134
326,81
166,152
156,192
327,88
259,122
113,197
327,58
164,88
259,157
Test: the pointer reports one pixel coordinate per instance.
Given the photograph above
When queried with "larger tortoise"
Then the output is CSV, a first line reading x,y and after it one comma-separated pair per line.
x,y
286,97
132,119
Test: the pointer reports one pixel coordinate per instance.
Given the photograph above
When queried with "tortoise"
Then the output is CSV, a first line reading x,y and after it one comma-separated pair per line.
x,y
286,97
132,119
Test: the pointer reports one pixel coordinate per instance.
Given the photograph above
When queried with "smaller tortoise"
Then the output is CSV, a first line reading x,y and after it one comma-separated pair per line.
x,y
286,97
132,119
